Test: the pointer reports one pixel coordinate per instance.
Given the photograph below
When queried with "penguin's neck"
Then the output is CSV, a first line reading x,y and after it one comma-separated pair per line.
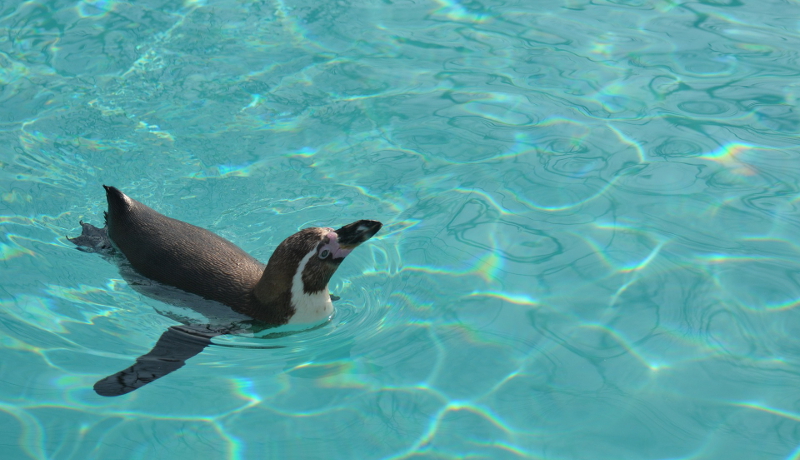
x,y
283,298
309,307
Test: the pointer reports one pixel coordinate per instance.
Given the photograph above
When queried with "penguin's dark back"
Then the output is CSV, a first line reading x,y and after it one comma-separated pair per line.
x,y
180,254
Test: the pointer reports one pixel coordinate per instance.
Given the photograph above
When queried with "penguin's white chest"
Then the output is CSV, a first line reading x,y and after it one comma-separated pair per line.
x,y
309,308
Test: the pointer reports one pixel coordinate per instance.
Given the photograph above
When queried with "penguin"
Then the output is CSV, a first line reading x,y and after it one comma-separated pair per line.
x,y
166,258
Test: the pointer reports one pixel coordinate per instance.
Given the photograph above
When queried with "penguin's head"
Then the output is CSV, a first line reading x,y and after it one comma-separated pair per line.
x,y
299,270
324,248
302,265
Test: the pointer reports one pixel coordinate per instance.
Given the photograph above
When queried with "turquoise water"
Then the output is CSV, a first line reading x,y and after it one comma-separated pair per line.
x,y
591,216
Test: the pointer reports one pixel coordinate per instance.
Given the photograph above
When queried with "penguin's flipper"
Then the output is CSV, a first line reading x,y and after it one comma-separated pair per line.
x,y
93,239
170,353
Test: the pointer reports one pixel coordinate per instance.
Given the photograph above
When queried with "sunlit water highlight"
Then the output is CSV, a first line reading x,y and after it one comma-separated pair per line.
x,y
591,216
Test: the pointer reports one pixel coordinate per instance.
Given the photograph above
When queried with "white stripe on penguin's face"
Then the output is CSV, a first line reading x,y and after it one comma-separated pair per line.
x,y
309,308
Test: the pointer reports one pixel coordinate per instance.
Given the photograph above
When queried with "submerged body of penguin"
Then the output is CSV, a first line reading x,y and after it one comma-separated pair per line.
x,y
292,288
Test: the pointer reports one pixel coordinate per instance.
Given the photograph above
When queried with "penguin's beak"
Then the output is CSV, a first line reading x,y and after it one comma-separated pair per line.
x,y
351,235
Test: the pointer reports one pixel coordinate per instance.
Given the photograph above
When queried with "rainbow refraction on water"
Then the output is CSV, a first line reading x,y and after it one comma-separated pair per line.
x,y
591,241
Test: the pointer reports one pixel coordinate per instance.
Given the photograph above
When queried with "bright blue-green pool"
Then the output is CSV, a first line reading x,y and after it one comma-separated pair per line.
x,y
591,218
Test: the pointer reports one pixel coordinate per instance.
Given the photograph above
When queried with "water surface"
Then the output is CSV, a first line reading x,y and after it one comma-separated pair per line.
x,y
591,214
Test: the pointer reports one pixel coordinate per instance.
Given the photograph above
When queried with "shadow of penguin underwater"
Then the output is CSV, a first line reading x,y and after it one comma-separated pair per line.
x,y
165,258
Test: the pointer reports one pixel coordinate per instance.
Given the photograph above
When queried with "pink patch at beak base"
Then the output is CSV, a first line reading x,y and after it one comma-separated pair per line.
x,y
334,248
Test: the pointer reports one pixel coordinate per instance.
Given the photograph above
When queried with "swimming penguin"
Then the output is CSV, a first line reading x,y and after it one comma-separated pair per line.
x,y
292,288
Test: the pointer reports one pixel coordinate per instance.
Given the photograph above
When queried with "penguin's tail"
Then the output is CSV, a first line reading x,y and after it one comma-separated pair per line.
x,y
93,239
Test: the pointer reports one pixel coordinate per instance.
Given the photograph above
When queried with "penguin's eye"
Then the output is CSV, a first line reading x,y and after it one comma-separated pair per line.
x,y
324,254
